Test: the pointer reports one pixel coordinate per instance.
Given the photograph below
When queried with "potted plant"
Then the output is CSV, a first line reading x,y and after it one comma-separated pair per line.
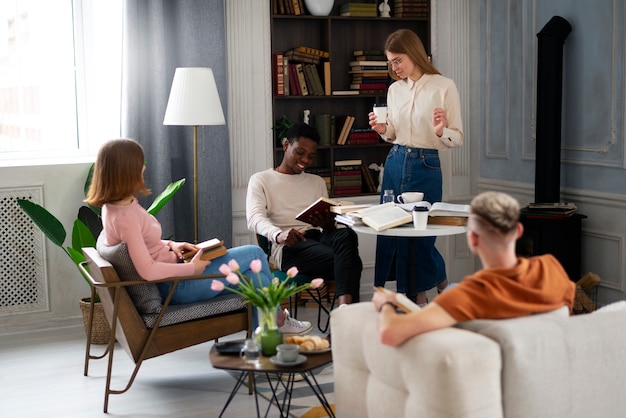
x,y
85,231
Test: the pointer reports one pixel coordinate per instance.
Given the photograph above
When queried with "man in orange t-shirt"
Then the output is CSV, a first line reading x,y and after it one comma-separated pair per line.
x,y
508,286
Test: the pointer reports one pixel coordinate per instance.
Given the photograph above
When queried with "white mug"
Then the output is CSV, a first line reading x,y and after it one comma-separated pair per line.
x,y
287,353
410,197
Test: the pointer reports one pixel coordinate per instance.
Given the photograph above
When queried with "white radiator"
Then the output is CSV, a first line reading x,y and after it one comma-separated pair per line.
x,y
23,280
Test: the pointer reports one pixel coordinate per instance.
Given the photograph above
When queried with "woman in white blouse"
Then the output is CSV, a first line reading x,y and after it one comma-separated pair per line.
x,y
424,117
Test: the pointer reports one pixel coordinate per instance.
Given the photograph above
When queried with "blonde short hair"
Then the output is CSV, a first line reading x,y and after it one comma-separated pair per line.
x,y
497,210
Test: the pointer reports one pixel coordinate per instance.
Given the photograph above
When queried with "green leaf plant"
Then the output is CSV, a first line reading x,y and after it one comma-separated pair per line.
x,y
88,225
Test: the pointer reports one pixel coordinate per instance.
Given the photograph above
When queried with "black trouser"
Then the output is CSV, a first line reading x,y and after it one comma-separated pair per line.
x,y
330,255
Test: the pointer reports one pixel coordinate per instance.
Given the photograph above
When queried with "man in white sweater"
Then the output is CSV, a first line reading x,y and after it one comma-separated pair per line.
x,y
276,196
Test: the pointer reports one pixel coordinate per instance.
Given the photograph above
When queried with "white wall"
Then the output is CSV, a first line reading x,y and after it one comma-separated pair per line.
x,y
62,196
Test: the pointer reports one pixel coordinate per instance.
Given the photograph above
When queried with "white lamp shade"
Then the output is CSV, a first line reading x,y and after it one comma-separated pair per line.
x,y
194,99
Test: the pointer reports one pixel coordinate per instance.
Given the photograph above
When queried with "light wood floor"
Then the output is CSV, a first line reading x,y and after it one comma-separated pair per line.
x,y
41,375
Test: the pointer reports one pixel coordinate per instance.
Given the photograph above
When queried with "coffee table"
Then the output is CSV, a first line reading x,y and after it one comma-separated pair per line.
x,y
265,366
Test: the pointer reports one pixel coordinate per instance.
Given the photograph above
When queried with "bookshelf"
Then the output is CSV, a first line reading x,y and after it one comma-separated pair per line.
x,y
340,36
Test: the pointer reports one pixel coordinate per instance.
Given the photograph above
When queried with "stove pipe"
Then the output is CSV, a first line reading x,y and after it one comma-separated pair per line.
x,y
549,97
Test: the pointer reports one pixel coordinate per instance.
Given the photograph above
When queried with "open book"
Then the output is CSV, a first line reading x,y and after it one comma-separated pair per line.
x,y
385,216
402,302
441,213
211,249
325,205
441,208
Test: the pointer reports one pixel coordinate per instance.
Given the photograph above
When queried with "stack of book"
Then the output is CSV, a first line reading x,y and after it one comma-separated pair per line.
x,y
358,9
411,8
347,177
288,7
549,210
363,136
369,76
307,54
369,55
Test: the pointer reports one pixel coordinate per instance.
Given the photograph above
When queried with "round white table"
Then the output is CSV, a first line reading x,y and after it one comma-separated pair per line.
x,y
408,231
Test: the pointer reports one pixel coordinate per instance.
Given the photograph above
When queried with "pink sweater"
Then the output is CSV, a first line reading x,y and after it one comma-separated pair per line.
x,y
141,232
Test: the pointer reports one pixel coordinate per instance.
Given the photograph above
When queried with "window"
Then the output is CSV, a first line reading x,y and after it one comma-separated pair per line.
x,y
60,76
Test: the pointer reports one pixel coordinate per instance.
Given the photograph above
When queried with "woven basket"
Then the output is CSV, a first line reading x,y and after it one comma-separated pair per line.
x,y
101,331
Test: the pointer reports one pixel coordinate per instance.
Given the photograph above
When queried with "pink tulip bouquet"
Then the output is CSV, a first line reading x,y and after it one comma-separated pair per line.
x,y
266,298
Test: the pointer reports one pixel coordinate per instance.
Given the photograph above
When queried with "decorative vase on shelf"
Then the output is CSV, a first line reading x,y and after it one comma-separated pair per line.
x,y
269,334
319,7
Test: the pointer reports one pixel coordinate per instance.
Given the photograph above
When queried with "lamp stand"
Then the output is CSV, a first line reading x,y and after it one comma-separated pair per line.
x,y
195,184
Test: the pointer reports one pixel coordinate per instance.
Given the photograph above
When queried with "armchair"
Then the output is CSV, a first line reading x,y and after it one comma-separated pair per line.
x,y
143,326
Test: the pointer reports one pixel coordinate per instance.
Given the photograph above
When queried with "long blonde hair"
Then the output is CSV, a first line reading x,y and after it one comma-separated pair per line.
x,y
118,172
404,41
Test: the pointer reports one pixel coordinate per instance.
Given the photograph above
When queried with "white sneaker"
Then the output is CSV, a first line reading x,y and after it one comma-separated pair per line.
x,y
292,326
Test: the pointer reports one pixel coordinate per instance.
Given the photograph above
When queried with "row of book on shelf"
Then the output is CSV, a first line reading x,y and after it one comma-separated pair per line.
x,y
410,8
296,73
288,7
340,130
387,215
303,71
347,178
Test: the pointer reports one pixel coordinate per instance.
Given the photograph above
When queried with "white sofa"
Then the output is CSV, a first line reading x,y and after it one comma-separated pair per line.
x,y
547,365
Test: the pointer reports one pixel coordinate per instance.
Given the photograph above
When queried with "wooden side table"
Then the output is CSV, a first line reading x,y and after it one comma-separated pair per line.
x,y
265,366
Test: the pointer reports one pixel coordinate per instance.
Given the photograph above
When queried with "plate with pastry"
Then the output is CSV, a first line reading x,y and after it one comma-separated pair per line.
x,y
309,344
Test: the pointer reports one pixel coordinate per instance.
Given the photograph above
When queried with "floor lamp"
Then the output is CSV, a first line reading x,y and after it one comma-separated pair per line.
x,y
194,101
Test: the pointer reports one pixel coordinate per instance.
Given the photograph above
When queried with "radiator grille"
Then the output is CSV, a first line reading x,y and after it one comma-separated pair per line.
x,y
23,284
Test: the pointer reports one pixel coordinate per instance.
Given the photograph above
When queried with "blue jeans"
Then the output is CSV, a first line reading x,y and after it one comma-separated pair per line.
x,y
191,291
410,170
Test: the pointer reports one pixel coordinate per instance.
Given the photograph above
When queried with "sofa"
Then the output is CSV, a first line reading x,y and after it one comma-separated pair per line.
x,y
544,365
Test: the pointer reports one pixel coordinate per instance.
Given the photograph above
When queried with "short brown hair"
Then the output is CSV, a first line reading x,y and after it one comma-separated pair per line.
x,y
405,41
497,210
118,172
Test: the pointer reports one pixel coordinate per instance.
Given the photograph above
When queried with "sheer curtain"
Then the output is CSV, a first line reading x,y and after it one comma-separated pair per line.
x,y
159,36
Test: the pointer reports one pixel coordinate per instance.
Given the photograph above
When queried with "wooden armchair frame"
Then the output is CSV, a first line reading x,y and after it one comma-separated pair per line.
x,y
129,329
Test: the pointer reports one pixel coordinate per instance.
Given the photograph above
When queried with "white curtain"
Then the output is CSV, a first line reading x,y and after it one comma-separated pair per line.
x,y
159,36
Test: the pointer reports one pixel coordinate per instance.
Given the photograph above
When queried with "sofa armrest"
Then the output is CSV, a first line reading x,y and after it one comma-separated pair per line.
x,y
443,373
555,366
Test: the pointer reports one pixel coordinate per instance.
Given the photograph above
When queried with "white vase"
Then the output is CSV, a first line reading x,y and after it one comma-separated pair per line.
x,y
319,7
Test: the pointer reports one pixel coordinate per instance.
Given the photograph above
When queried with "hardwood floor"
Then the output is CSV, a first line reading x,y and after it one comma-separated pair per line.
x,y
41,375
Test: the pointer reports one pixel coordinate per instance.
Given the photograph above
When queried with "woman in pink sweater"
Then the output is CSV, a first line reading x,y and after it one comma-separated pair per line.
x,y
117,180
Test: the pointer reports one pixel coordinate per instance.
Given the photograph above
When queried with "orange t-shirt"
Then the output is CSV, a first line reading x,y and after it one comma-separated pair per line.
x,y
534,285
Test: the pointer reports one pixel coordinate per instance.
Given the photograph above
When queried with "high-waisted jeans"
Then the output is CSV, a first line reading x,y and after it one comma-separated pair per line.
x,y
411,170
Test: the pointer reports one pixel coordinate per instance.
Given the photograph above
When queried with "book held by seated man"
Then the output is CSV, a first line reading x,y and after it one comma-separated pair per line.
x,y
325,205
211,249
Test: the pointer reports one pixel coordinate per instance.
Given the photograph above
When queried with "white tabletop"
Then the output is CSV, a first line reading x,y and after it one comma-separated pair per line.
x,y
407,230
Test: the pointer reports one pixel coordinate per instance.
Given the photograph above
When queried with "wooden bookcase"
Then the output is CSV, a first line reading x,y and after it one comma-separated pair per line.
x,y
340,36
